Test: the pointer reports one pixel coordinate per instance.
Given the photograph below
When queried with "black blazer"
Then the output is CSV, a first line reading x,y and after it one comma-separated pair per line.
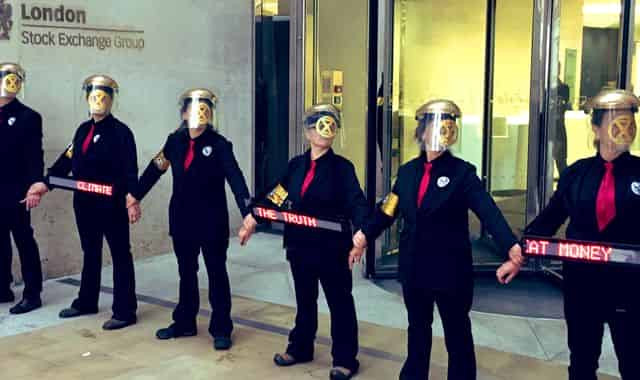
x,y
21,152
575,198
111,159
435,250
198,206
334,192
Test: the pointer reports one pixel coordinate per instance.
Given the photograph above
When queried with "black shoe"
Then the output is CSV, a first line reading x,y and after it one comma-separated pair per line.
x,y
116,324
342,373
287,360
72,312
173,331
7,296
26,305
221,343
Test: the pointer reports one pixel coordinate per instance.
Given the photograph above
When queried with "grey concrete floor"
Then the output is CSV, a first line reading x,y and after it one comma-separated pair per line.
x,y
259,271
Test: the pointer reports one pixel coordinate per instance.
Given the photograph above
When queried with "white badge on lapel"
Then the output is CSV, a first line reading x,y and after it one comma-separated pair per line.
x,y
635,187
443,181
207,151
11,121
96,138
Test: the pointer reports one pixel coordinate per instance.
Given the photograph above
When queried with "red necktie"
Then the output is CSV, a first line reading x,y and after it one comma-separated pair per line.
x,y
190,154
606,201
87,140
424,183
307,180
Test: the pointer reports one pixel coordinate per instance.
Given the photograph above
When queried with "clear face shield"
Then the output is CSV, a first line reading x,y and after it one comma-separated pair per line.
x,y
438,132
10,84
616,131
100,99
199,112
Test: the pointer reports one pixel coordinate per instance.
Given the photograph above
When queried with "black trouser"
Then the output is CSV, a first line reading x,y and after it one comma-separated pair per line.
x,y
215,258
96,221
454,307
586,313
335,277
16,221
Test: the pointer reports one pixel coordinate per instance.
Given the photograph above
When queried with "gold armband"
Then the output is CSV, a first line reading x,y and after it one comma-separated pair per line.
x,y
390,204
69,152
161,162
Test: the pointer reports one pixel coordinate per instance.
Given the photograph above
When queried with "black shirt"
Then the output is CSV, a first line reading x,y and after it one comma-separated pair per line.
x,y
435,250
575,198
333,192
111,158
21,152
198,206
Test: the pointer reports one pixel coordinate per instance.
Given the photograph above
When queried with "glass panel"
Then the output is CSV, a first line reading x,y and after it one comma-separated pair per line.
x,y
438,52
272,91
510,119
635,71
584,60
336,69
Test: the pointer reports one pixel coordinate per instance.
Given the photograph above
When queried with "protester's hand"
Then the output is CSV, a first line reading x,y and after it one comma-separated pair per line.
x,y
249,223
359,240
515,254
31,201
34,195
244,235
507,272
355,256
131,200
135,213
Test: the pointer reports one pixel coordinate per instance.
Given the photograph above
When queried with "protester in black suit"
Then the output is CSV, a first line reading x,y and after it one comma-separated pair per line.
x,y
321,183
103,151
23,165
201,160
601,197
433,195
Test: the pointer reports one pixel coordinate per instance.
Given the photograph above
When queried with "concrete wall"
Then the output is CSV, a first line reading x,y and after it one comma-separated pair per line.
x,y
189,43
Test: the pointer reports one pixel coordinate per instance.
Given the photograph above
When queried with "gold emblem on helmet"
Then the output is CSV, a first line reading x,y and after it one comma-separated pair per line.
x,y
161,162
448,132
12,83
99,101
204,113
622,130
326,127
390,204
278,195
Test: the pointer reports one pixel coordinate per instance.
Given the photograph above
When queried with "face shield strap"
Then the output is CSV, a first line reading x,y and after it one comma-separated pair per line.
x,y
7,73
311,121
108,90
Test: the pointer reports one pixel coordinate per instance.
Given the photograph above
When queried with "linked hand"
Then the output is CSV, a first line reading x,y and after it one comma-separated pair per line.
x,y
135,213
507,272
244,235
355,256
34,195
515,254
31,201
359,240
